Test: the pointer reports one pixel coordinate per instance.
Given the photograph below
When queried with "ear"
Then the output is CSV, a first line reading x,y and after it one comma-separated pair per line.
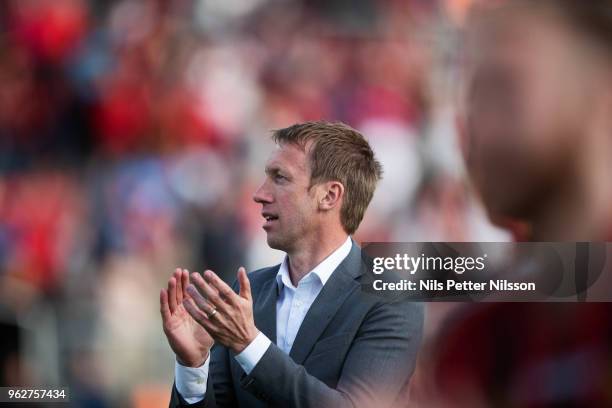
x,y
332,193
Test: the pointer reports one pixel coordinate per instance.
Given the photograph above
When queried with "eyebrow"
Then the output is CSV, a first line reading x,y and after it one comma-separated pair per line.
x,y
275,170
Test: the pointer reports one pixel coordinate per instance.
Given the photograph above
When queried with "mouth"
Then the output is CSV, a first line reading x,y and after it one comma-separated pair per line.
x,y
270,219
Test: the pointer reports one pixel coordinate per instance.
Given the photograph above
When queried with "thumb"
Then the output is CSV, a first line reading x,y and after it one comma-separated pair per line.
x,y
245,285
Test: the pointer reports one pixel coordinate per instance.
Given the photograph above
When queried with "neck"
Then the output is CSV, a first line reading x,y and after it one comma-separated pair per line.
x,y
583,211
311,253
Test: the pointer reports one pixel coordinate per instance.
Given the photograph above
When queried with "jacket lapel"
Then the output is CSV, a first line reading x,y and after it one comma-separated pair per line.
x,y
332,296
264,309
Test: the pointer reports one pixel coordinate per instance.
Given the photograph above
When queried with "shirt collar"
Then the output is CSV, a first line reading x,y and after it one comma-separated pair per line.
x,y
323,270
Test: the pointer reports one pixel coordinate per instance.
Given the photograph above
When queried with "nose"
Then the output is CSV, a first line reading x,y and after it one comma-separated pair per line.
x,y
262,195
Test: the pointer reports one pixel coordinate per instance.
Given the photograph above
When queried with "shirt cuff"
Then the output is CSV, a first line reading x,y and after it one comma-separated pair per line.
x,y
250,356
191,382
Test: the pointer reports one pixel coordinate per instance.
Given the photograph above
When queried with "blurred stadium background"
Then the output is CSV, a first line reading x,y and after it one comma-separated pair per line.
x,y
133,133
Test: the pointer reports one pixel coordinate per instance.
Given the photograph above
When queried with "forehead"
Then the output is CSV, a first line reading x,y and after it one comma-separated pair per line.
x,y
290,158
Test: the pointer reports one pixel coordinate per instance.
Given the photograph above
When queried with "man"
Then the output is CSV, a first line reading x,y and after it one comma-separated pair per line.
x,y
539,115
539,150
303,333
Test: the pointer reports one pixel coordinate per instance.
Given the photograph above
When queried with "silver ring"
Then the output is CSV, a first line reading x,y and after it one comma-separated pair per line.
x,y
211,314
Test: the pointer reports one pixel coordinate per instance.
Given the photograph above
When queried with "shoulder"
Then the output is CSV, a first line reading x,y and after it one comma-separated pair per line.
x,y
398,301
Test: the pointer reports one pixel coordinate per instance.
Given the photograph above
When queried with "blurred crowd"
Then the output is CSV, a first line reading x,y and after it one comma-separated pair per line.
x,y
134,132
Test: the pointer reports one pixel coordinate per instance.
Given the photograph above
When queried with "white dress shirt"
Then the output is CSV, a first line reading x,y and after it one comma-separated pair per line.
x,y
291,307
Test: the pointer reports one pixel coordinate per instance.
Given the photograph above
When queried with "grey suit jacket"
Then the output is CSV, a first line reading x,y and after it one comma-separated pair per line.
x,y
353,349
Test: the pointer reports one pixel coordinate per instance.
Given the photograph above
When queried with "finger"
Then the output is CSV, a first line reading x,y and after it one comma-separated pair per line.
x,y
245,285
199,300
199,316
212,295
195,312
172,294
163,305
198,278
185,279
178,274
225,292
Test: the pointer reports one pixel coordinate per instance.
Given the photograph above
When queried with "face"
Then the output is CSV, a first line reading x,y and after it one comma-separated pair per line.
x,y
289,207
524,110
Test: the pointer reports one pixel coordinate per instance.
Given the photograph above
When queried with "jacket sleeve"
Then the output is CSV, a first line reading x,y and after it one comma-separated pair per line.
x,y
379,364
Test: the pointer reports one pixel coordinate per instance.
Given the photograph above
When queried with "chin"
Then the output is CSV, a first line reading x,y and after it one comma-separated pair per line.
x,y
276,242
502,210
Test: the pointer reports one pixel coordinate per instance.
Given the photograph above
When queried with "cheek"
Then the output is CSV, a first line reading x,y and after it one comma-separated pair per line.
x,y
550,124
514,131
304,209
492,124
487,138
293,204
558,102
542,106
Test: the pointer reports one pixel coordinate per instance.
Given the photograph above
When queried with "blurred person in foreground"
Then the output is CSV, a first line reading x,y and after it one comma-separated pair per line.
x,y
301,333
539,151
539,116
